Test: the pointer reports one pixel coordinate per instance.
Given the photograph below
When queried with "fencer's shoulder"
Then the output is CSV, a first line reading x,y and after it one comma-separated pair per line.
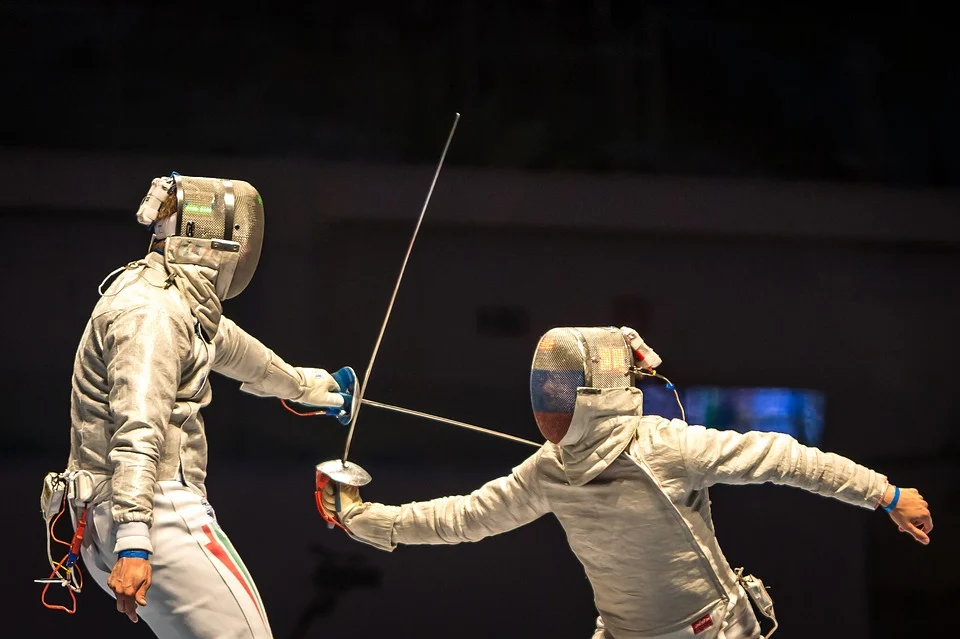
x,y
655,432
534,462
142,291
660,425
142,319
142,310
545,462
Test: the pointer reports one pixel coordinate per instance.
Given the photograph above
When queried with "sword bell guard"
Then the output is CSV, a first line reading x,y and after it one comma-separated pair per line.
x,y
347,473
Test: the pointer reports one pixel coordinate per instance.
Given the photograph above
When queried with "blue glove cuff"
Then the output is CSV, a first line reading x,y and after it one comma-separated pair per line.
x,y
896,498
133,554
346,379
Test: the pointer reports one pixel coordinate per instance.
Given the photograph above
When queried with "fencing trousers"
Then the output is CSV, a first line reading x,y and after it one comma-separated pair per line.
x,y
740,622
201,589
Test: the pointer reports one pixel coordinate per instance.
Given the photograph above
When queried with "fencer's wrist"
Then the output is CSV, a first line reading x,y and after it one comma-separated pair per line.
x,y
279,380
890,498
133,535
886,497
133,554
878,500
346,513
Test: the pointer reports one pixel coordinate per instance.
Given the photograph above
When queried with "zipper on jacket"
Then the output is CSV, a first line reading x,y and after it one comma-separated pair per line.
x,y
691,536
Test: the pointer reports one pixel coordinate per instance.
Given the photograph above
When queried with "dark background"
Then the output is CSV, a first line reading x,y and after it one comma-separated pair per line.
x,y
768,195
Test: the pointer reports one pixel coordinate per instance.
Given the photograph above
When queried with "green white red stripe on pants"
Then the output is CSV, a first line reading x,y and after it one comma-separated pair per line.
x,y
221,548
201,588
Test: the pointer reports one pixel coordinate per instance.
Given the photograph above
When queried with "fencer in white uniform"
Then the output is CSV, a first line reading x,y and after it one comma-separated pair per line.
x,y
140,380
631,493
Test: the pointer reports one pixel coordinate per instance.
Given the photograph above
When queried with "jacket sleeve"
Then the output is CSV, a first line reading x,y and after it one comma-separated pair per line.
x,y
728,457
142,351
242,357
498,506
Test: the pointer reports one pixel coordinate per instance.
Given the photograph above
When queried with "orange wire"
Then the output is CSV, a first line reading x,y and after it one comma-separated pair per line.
x,y
43,593
59,566
299,414
324,513
336,522
330,519
63,509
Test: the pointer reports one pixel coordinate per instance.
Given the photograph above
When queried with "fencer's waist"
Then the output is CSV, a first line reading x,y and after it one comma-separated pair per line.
x,y
85,487
103,483
733,611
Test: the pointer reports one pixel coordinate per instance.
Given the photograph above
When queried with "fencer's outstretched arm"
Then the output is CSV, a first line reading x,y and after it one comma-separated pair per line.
x,y
728,457
242,357
498,506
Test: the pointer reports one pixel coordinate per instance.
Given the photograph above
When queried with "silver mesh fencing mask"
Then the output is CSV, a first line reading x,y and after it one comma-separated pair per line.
x,y
569,358
228,211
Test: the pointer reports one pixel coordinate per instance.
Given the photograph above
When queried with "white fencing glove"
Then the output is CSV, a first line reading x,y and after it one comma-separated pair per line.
x,y
319,389
329,391
340,499
315,387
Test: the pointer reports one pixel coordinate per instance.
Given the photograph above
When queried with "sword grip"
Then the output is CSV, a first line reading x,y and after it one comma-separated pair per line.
x,y
331,518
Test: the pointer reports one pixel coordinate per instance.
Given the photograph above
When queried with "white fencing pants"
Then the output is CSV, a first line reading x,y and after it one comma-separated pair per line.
x,y
740,623
201,589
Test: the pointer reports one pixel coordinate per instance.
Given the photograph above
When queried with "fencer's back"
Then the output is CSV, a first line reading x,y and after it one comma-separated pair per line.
x,y
118,366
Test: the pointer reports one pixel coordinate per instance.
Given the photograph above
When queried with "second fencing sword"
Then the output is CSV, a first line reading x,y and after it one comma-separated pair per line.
x,y
339,470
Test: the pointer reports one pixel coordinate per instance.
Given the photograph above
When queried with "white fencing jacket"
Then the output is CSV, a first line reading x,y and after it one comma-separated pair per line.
x,y
140,379
631,494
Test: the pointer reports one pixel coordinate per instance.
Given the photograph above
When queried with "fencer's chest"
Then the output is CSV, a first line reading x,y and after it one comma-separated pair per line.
x,y
622,500
630,539
196,366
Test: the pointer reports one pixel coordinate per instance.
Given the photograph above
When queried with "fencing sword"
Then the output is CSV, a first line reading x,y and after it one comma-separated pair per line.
x,y
340,470
451,422
414,413
428,416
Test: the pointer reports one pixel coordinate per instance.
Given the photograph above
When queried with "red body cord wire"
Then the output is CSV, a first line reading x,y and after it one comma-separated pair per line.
x,y
322,480
75,550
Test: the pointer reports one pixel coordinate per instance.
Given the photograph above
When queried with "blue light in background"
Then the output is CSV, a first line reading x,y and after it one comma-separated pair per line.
x,y
796,412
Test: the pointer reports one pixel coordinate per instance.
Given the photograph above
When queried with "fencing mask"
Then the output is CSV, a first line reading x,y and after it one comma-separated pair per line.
x,y
227,212
569,358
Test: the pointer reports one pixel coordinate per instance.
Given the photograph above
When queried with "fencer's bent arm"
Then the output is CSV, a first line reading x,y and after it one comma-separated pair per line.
x,y
242,357
728,457
498,506
142,350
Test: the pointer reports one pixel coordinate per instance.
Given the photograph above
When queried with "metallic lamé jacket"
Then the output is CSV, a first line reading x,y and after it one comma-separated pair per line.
x,y
631,494
140,379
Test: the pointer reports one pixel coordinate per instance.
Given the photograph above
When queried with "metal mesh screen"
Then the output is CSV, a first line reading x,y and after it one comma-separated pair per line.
x,y
569,358
202,211
559,362
556,374
248,231
200,207
608,358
